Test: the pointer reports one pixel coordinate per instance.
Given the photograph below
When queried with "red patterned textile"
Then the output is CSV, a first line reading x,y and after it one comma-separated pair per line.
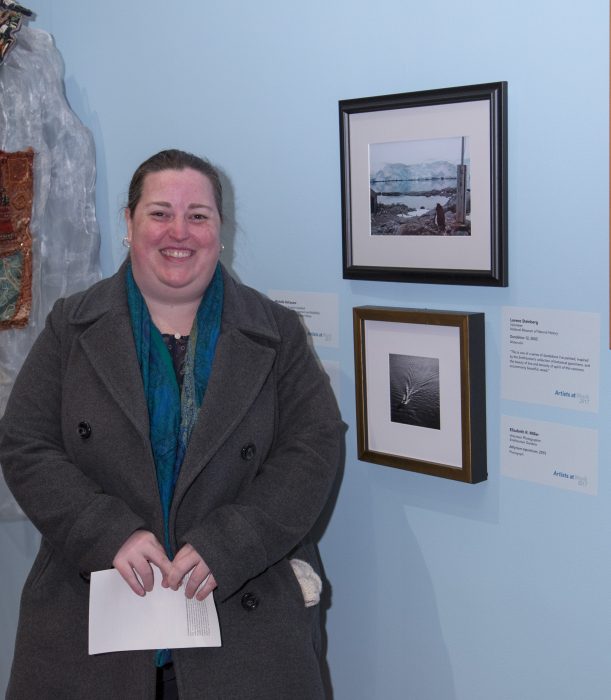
x,y
16,194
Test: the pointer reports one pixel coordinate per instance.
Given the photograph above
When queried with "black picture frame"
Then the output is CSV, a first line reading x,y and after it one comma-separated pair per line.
x,y
421,390
472,250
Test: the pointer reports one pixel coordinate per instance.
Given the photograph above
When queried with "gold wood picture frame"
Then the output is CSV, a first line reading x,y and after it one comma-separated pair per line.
x,y
420,390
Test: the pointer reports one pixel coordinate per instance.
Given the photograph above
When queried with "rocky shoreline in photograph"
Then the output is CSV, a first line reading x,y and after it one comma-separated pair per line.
x,y
395,219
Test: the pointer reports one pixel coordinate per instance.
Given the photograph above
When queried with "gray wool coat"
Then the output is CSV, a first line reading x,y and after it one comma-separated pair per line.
x,y
262,458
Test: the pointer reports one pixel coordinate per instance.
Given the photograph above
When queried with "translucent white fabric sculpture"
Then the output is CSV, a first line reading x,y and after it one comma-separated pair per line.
x,y
66,240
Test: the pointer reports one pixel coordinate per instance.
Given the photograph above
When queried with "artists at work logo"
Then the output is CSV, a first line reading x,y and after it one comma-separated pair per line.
x,y
580,398
581,480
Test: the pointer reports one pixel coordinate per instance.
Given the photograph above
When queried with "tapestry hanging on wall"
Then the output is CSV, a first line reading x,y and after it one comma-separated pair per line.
x,y
16,192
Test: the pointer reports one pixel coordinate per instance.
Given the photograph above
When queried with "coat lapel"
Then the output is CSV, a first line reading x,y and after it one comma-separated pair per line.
x,y
108,343
244,357
240,369
116,364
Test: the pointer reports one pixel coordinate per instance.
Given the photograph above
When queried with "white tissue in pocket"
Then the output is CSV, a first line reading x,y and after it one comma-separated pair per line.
x,y
309,580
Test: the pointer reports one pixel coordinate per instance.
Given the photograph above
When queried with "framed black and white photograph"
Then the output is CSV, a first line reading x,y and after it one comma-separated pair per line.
x,y
424,186
420,390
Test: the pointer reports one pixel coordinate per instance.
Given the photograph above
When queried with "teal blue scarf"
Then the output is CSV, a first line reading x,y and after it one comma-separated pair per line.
x,y
172,413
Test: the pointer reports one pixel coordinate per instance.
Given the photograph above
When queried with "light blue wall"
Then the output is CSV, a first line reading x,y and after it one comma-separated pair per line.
x,y
441,591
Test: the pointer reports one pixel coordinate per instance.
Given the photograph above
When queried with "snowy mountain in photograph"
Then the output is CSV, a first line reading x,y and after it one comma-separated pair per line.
x,y
434,170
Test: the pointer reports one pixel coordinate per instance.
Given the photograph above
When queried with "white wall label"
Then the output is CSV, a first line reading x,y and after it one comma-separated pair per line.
x,y
319,311
549,453
551,357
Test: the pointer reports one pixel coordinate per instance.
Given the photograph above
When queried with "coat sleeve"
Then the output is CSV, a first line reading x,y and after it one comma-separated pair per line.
x,y
71,512
275,511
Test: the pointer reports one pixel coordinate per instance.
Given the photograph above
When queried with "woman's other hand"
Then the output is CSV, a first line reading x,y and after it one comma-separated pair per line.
x,y
188,560
134,558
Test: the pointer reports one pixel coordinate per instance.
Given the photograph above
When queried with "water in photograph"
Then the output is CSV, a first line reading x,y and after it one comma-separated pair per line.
x,y
420,204
414,390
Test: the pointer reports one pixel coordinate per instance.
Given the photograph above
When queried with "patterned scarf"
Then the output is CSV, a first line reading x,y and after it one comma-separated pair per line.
x,y
172,413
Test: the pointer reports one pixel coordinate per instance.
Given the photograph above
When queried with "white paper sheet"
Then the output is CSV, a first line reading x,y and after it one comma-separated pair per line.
x,y
120,620
551,357
319,311
551,454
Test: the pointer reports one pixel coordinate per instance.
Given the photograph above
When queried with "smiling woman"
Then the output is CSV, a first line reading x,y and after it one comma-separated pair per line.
x,y
174,238
185,425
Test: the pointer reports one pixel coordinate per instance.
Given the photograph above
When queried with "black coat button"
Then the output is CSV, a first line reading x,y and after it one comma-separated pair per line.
x,y
84,430
248,452
250,601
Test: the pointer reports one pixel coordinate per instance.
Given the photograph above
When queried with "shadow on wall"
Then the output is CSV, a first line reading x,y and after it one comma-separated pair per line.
x,y
421,666
230,226
327,590
385,616
412,660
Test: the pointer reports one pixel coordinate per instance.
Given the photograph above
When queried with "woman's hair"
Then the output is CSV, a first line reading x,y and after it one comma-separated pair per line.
x,y
173,159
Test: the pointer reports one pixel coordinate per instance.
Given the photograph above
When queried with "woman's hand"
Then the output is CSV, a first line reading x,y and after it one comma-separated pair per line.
x,y
134,560
188,560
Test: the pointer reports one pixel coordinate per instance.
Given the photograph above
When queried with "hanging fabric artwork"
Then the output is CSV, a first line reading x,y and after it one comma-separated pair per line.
x,y
16,191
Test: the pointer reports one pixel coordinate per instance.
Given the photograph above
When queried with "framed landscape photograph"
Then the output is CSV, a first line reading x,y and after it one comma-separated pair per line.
x,y
424,186
421,390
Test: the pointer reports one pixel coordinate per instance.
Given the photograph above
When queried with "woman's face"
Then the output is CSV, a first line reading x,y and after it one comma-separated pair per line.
x,y
174,236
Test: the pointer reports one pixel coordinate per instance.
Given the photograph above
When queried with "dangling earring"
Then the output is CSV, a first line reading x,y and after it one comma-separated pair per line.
x,y
125,241
222,247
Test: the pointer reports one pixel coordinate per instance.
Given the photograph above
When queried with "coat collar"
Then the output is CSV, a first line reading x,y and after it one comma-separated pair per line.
x,y
243,308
